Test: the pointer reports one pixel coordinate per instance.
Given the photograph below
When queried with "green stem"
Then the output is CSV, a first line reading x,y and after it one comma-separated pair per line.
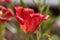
x,y
37,34
2,31
27,38
59,5
43,6
39,5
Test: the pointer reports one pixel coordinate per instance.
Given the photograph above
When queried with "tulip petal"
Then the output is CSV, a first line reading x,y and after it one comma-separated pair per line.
x,y
3,9
8,13
4,19
20,20
19,10
8,1
26,13
37,18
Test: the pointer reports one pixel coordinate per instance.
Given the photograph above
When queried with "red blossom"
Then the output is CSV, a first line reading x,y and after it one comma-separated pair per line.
x,y
28,20
5,14
5,1
8,1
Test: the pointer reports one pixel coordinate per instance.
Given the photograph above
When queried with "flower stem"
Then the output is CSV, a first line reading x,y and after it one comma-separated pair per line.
x,y
47,9
2,31
39,5
27,37
37,35
59,5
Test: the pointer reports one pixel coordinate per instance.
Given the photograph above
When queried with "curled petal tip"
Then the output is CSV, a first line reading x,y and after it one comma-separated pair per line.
x,y
20,20
46,17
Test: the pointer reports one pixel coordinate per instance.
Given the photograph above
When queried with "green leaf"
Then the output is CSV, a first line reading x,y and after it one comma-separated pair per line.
x,y
2,31
39,5
42,8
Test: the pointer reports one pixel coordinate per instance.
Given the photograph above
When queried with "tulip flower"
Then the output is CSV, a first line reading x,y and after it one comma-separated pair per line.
x,y
28,19
5,14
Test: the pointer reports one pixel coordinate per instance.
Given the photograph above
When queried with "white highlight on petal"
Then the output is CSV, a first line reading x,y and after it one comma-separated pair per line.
x,y
47,17
0,12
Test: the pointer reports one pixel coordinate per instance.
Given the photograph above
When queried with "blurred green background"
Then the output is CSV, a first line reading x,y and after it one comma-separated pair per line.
x,y
48,30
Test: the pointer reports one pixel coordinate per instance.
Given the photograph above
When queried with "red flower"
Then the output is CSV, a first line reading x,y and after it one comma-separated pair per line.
x,y
28,20
5,14
5,1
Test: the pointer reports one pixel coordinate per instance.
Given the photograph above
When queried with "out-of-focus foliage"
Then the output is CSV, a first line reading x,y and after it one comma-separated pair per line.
x,y
22,3
47,30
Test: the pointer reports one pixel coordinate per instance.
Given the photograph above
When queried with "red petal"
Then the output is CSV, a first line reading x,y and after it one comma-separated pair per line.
x,y
4,19
8,1
2,1
26,13
3,9
8,13
23,12
37,18
20,20
19,10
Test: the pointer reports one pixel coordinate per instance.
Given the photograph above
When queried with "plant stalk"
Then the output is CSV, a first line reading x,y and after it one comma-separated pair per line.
x,y
2,31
